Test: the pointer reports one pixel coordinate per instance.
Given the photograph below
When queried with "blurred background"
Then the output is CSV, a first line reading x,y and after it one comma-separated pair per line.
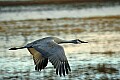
x,y
95,21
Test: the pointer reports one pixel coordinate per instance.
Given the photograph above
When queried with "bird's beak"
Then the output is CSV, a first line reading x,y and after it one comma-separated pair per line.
x,y
83,42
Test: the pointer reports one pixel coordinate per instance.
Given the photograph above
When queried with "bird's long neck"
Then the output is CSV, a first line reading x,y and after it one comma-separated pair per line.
x,y
64,41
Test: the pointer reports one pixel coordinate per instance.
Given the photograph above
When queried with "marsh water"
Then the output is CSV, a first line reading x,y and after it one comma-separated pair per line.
x,y
73,10
97,60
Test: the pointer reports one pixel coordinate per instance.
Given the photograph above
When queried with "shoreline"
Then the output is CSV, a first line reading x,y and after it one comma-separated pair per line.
x,y
16,3
67,18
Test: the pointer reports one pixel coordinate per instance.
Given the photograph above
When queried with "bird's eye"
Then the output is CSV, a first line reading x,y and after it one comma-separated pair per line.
x,y
78,41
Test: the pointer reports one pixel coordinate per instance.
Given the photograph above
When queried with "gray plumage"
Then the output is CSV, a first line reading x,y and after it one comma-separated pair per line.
x,y
49,49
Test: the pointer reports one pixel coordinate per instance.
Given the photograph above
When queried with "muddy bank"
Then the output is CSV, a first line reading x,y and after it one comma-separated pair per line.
x,y
14,3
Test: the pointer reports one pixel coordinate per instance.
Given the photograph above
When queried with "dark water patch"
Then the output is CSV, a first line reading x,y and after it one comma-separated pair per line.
x,y
11,77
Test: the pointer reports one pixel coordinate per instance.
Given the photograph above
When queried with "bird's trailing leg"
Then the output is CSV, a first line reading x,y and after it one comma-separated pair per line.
x,y
16,48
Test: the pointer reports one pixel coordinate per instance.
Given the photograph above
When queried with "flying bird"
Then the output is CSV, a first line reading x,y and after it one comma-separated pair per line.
x,y
48,48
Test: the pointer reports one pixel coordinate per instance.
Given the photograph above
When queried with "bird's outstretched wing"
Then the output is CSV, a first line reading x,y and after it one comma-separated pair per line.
x,y
55,53
39,61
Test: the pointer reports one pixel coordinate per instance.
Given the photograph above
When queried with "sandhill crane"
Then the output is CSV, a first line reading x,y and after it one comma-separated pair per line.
x,y
49,49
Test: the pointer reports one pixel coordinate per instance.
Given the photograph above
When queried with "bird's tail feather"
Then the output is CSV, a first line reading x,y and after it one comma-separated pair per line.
x,y
16,48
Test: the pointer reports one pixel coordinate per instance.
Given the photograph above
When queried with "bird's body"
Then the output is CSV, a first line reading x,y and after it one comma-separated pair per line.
x,y
49,49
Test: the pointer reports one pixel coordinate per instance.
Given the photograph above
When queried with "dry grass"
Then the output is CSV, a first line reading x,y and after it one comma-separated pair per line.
x,y
104,17
2,29
91,24
77,30
106,52
117,28
66,30
104,68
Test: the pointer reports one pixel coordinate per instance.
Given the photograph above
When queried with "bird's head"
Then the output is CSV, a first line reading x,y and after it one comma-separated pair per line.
x,y
77,41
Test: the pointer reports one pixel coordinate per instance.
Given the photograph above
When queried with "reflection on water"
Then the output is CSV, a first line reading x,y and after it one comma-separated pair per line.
x,y
97,60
